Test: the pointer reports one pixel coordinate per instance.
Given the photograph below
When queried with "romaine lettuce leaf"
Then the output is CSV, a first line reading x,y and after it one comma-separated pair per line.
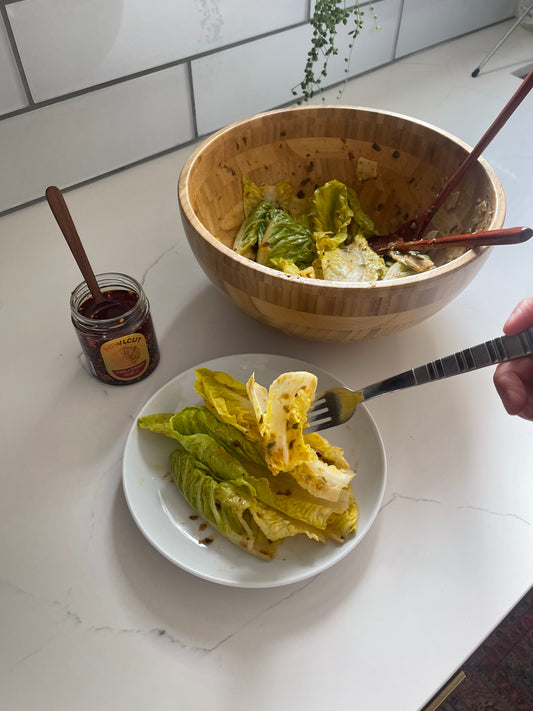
x,y
192,420
252,229
324,236
202,446
327,452
252,195
275,526
226,453
232,508
282,416
323,480
330,215
227,398
288,266
398,271
340,526
213,455
282,483
284,494
285,239
161,423
361,222
280,195
356,262
281,491
225,506
281,413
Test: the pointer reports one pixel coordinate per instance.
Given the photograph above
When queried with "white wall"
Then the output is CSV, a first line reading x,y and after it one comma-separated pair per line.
x,y
91,86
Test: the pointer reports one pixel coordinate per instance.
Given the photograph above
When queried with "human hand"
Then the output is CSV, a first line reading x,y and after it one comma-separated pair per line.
x,y
514,379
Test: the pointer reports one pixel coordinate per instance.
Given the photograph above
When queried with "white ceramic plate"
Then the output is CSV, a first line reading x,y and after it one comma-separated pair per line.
x,y
164,516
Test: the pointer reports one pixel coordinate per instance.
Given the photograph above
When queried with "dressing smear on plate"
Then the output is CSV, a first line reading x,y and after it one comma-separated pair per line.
x,y
245,465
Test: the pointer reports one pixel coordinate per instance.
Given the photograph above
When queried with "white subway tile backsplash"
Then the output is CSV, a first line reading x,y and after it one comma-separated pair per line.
x,y
12,96
66,46
374,45
86,136
249,78
90,86
243,80
427,22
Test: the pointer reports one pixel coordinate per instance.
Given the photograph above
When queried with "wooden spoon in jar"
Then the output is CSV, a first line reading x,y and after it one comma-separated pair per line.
x,y
101,307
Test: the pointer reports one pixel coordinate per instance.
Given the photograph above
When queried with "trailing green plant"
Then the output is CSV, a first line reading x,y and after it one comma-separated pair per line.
x,y
330,17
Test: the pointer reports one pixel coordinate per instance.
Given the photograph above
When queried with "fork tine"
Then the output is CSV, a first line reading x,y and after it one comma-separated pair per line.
x,y
319,415
334,407
318,402
317,411
316,417
317,406
318,425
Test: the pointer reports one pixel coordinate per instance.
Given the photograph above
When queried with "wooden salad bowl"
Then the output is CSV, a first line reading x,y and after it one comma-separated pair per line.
x,y
309,146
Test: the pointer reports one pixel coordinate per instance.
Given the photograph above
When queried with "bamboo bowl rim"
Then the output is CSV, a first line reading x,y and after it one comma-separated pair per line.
x,y
470,255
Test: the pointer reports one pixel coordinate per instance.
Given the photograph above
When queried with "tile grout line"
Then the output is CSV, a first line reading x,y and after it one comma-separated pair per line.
x,y
190,84
192,100
197,136
34,105
17,58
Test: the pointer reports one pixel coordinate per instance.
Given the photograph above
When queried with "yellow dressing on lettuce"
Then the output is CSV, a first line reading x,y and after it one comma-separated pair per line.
x,y
282,418
245,464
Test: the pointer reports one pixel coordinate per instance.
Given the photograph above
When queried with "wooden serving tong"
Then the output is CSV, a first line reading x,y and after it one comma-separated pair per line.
x,y
508,235
414,229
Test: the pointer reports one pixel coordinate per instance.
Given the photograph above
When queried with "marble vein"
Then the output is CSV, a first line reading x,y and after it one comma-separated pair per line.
x,y
156,262
395,496
263,611
495,513
156,632
72,617
54,605
161,633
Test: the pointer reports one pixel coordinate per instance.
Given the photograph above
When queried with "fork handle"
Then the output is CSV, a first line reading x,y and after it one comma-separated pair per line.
x,y
497,350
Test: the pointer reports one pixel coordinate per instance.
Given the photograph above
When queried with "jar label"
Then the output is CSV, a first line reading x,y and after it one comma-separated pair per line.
x,y
127,357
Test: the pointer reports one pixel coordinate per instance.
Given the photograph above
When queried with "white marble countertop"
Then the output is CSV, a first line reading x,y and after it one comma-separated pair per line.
x,y
94,618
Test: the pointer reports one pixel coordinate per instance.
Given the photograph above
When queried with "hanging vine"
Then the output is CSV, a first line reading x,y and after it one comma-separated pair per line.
x,y
329,17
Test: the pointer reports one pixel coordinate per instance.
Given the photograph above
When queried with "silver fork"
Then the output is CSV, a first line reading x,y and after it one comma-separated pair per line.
x,y
337,405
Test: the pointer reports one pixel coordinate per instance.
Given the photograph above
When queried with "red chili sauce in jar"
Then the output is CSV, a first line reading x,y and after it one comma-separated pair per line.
x,y
117,303
117,337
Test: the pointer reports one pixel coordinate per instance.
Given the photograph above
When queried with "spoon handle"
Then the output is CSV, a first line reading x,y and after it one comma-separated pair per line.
x,y
66,225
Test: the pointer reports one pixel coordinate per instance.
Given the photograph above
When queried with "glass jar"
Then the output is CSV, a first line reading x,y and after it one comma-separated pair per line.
x,y
118,341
